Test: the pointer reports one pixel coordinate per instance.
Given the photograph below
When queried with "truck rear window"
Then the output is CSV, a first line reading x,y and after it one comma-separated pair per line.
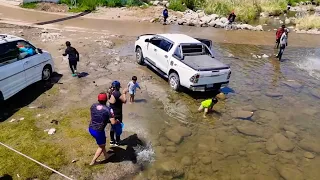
x,y
193,48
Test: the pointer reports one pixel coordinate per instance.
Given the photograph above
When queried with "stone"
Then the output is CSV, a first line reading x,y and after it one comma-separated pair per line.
x,y
186,161
201,14
259,28
206,160
290,134
223,20
181,22
273,94
160,149
171,149
250,129
264,14
315,93
291,128
283,143
206,19
52,131
265,56
170,144
221,96
155,3
212,23
21,119
310,145
240,114
309,155
12,120
287,21
219,24
293,84
271,147
177,134
164,3
171,168
289,172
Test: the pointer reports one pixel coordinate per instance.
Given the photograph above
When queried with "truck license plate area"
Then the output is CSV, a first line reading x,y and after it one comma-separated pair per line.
x,y
209,85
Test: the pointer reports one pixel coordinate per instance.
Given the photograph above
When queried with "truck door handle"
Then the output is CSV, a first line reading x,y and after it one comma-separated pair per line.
x,y
26,62
165,56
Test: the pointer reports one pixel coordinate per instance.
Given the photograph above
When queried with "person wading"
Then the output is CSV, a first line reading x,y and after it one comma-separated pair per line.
x,y
279,33
116,100
73,57
101,115
283,44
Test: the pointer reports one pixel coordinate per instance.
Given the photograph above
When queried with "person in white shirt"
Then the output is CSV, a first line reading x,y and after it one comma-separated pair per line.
x,y
283,43
132,86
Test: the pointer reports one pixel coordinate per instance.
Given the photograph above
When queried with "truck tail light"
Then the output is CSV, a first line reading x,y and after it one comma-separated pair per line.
x,y
229,75
195,78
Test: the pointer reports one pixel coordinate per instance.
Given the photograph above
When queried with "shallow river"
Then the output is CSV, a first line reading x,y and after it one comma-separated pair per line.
x,y
273,144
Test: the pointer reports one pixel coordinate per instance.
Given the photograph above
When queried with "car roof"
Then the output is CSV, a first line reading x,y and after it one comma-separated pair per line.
x,y
4,38
180,38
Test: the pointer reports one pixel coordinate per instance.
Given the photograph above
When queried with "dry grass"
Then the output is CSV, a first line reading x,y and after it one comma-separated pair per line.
x,y
308,22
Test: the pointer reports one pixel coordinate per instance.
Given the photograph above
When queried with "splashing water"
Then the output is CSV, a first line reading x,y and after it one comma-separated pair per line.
x,y
311,65
145,154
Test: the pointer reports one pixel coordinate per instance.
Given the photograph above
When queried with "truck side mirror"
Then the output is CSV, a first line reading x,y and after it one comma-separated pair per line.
x,y
39,50
147,40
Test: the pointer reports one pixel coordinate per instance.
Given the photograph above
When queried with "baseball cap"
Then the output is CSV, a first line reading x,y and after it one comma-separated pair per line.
x,y
102,97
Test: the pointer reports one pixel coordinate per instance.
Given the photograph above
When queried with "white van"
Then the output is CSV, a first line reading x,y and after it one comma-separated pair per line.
x,y
21,64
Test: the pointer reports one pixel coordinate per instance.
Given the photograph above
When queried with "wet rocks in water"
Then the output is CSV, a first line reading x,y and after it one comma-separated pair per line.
x,y
293,84
221,96
271,147
289,172
274,94
315,93
177,134
310,145
265,56
171,168
171,149
249,108
283,143
290,134
291,128
309,155
206,160
240,114
186,161
159,150
250,129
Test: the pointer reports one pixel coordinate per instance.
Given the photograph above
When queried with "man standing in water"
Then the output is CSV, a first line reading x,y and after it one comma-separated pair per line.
x,y
73,57
283,44
279,33
116,100
101,115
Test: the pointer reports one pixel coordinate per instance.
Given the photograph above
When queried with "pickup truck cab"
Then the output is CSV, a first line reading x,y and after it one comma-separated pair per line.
x,y
21,64
185,61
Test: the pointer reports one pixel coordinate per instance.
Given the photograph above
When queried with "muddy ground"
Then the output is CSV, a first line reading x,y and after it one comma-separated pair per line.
x,y
66,99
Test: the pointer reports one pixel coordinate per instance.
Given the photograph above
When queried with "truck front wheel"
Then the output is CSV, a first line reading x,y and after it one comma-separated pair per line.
x,y
174,81
139,56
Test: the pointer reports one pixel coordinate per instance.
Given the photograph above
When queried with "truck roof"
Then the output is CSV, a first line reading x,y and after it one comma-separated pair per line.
x,y
4,38
180,38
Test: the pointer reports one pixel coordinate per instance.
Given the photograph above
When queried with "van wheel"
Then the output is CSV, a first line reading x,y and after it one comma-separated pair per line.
x,y
174,81
46,73
139,56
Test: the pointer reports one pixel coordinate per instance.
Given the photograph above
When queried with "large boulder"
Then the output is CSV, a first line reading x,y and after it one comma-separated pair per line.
x,y
289,172
223,20
310,145
186,161
177,134
250,129
206,19
181,21
271,147
283,143
171,168
240,114
219,24
258,28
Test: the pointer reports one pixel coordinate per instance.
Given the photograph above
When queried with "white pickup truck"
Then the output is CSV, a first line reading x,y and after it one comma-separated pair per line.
x,y
184,60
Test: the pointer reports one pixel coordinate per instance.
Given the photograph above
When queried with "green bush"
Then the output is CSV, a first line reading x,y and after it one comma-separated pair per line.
x,y
31,5
114,3
177,5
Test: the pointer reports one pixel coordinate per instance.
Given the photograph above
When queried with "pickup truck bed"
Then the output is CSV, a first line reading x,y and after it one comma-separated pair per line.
x,y
203,63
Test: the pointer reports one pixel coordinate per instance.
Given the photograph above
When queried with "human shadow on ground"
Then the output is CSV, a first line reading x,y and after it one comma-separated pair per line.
x,y
140,100
26,96
118,154
6,177
83,74
64,19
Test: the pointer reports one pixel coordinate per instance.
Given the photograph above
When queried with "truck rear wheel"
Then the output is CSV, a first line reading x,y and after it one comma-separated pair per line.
x,y
139,56
174,81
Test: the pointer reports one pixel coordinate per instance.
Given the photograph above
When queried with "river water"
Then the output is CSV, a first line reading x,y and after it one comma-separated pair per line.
x,y
284,97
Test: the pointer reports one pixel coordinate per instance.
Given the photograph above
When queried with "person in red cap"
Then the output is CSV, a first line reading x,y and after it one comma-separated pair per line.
x,y
232,17
101,115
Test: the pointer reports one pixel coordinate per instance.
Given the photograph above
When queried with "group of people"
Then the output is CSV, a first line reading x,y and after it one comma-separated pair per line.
x,y
109,110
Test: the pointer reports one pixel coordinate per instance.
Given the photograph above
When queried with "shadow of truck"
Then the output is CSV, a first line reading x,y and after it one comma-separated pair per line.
x,y
26,96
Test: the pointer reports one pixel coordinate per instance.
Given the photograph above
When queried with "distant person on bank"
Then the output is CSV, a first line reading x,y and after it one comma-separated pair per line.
x,y
101,115
232,17
165,15
207,106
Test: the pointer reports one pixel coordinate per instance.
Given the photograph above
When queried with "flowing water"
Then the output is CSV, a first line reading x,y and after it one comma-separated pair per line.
x,y
285,100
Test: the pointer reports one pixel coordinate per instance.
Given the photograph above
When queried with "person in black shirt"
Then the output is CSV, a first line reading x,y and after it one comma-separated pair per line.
x,y
116,100
232,17
101,115
73,57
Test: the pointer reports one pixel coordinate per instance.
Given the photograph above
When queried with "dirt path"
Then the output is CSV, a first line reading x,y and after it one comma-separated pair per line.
x,y
15,15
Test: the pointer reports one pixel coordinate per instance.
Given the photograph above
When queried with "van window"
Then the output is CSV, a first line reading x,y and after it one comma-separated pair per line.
x,y
25,49
8,53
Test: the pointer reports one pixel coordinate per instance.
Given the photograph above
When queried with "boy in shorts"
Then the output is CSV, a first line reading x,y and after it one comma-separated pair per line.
x,y
207,106
132,86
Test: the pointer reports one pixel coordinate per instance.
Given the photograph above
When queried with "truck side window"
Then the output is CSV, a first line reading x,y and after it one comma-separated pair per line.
x,y
165,45
8,53
177,52
155,41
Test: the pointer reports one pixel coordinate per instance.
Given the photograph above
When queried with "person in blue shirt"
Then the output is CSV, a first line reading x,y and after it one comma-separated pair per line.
x,y
165,15
25,50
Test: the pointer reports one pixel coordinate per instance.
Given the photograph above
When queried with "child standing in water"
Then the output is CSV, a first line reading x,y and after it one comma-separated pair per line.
x,y
207,106
132,86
